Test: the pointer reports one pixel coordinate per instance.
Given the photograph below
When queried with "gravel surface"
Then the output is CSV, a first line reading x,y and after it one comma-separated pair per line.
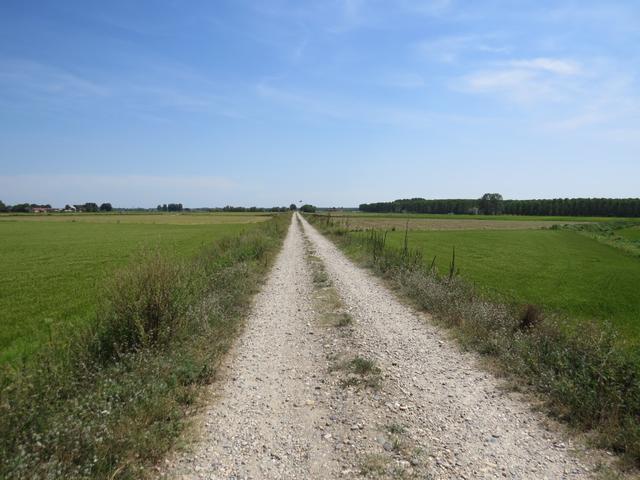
x,y
382,394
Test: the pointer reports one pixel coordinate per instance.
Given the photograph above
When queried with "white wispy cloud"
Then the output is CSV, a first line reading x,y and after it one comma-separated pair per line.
x,y
343,16
563,95
162,87
518,85
305,102
526,80
553,65
314,104
579,120
606,105
450,49
602,15
41,79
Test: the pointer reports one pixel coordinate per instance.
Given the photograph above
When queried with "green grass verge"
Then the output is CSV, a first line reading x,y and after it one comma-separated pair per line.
x,y
587,376
558,269
52,272
632,233
110,398
620,235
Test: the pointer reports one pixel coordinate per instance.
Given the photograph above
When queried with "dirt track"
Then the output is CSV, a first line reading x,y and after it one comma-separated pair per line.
x,y
292,403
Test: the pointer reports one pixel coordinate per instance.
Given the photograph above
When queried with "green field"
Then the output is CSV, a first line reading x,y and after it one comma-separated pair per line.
x,y
523,218
366,221
632,234
560,270
54,266
153,218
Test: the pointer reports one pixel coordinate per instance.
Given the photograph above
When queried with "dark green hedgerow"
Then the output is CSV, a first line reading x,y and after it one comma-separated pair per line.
x,y
108,402
589,377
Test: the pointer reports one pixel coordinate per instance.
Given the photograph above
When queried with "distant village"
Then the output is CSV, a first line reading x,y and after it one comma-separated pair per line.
x,y
37,208
91,207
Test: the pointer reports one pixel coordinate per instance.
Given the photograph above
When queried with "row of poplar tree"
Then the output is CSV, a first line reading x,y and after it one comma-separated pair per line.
x,y
494,204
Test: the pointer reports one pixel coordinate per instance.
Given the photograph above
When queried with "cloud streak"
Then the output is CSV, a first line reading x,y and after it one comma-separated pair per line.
x,y
527,81
42,79
452,49
552,65
162,88
314,105
247,88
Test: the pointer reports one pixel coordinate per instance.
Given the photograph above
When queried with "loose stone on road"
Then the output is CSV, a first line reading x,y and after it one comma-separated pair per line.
x,y
382,394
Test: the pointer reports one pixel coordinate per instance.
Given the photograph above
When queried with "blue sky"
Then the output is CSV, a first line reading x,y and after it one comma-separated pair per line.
x,y
332,102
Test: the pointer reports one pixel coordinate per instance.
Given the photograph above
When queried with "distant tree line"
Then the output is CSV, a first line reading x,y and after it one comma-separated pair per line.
x,y
87,207
166,207
493,204
35,207
229,208
591,207
421,205
90,207
21,207
170,207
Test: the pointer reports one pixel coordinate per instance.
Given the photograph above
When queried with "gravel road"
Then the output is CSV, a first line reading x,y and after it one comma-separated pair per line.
x,y
380,394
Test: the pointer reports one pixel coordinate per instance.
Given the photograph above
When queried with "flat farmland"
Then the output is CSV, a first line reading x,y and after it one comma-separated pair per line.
x,y
447,223
425,221
560,270
452,217
53,267
144,218
632,233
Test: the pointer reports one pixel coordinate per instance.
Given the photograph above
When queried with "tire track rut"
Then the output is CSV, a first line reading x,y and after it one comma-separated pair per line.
x,y
455,412
263,419
334,378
